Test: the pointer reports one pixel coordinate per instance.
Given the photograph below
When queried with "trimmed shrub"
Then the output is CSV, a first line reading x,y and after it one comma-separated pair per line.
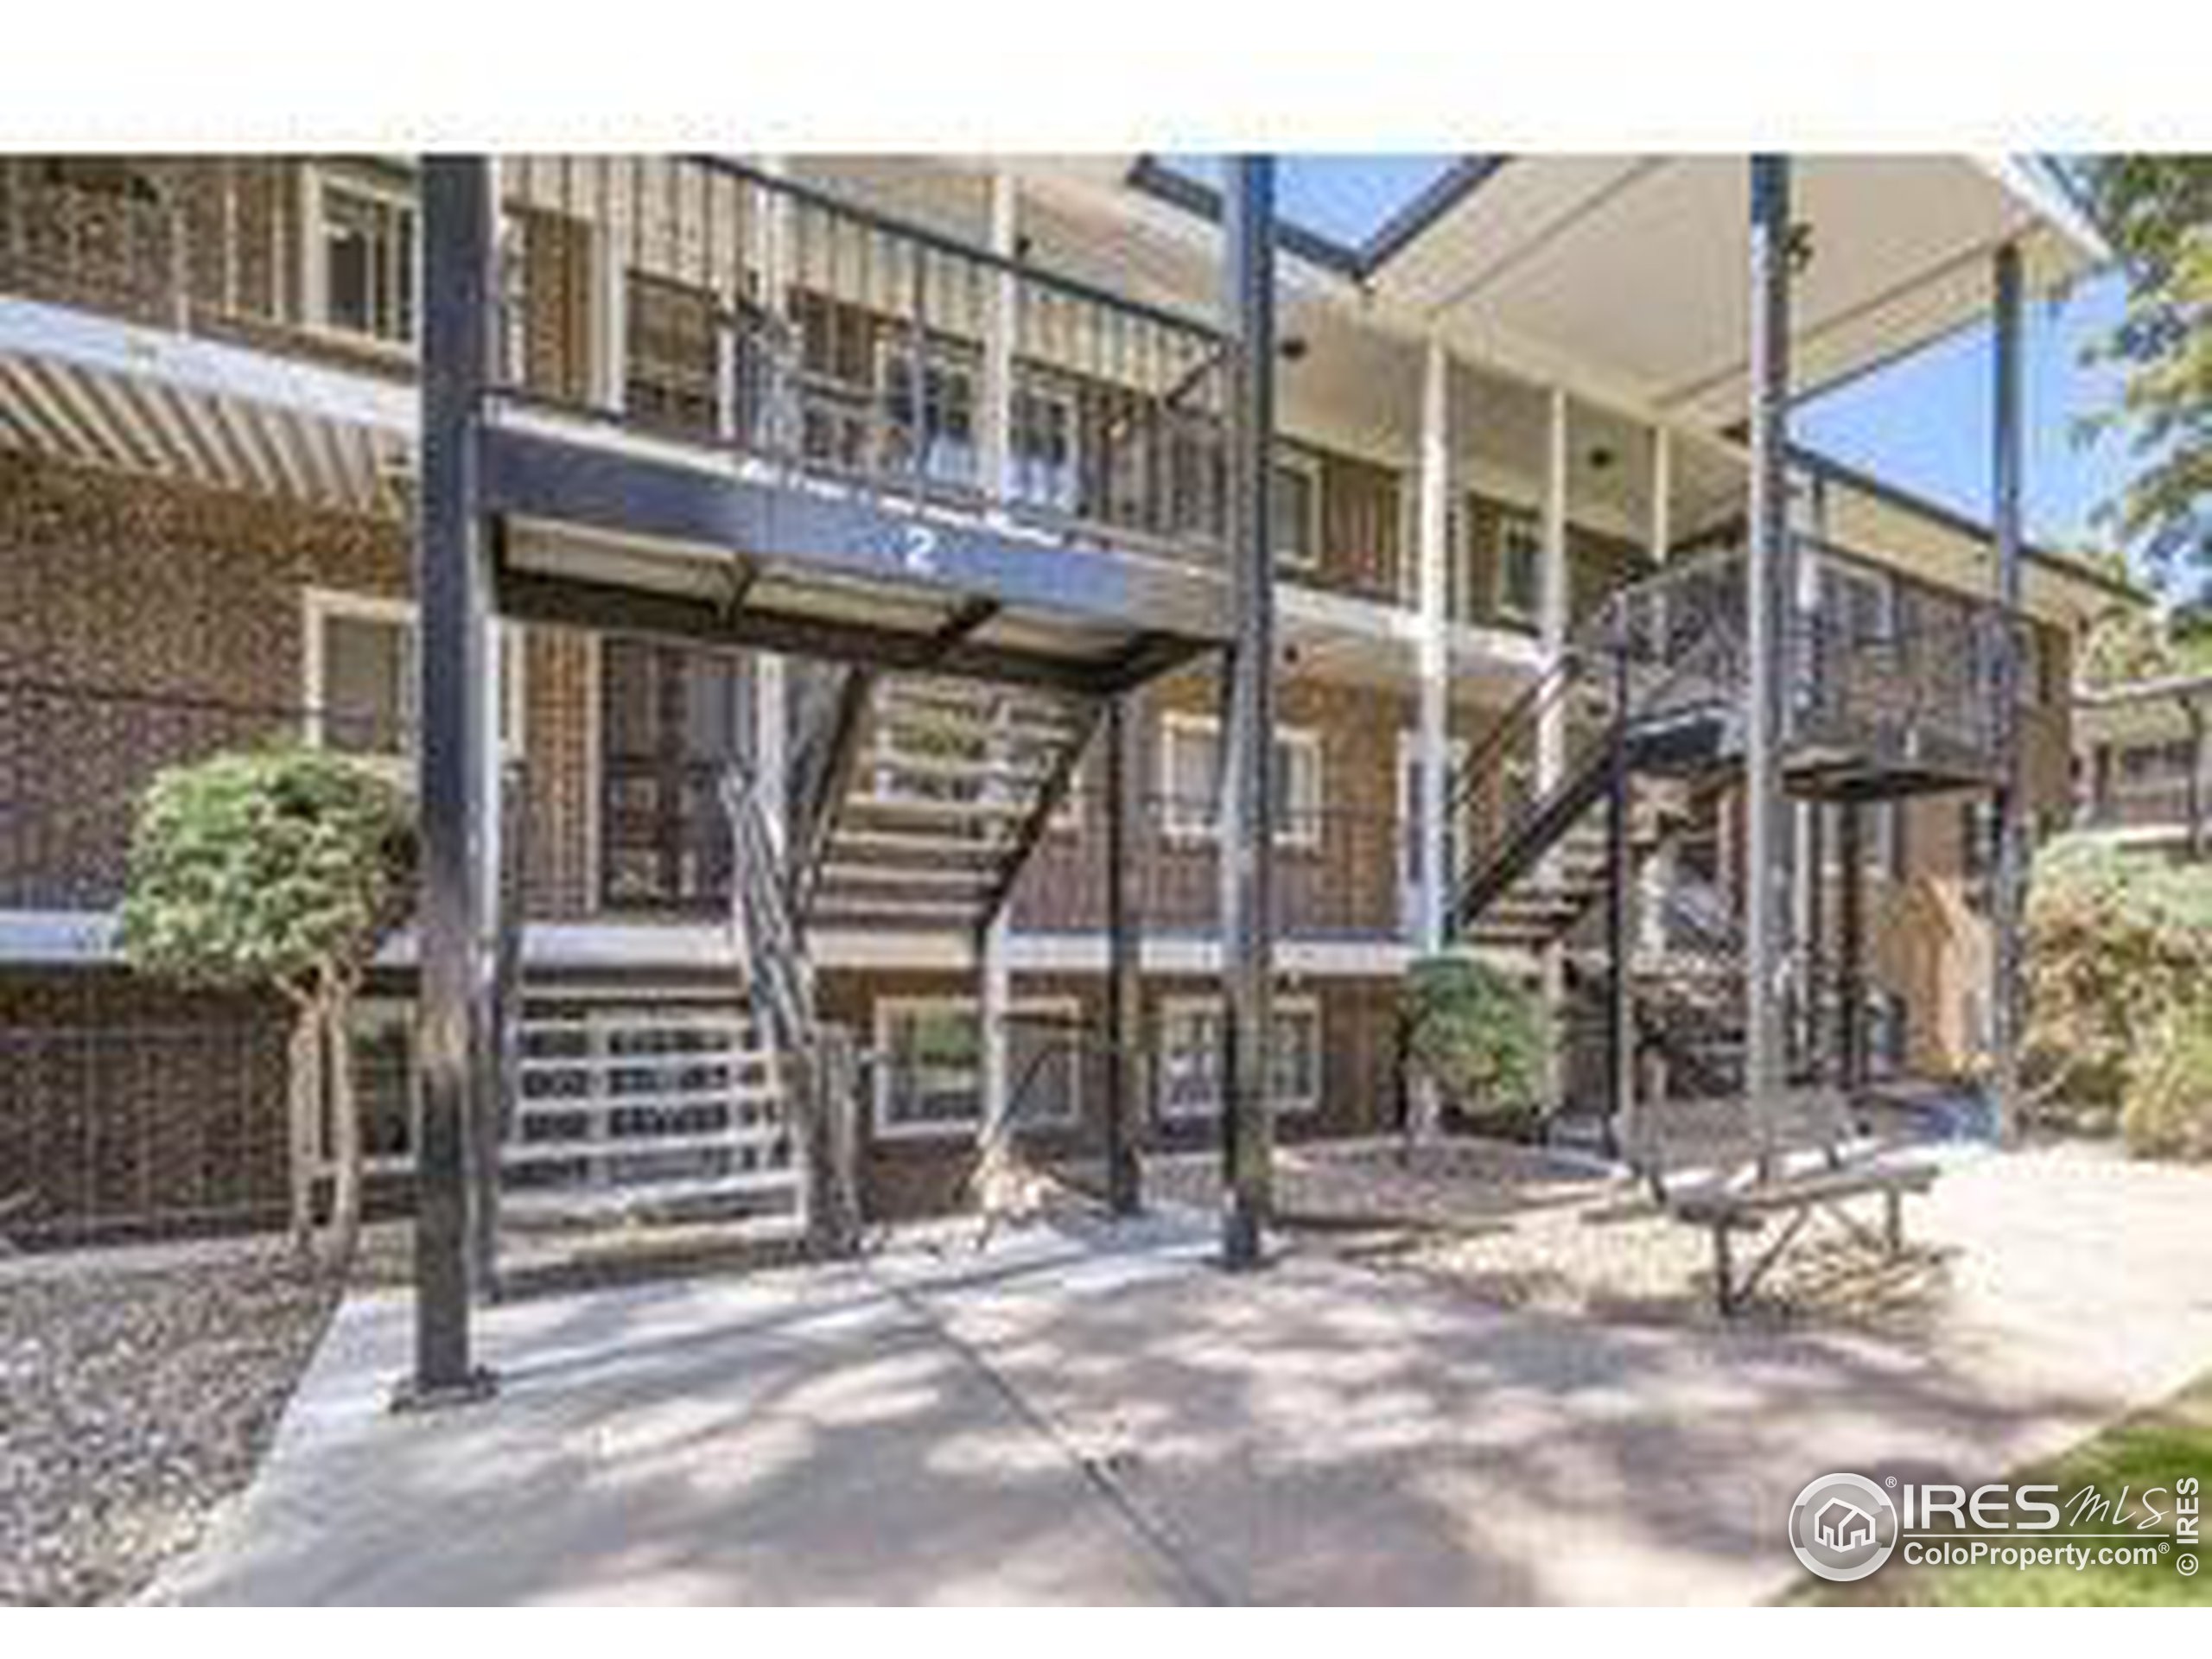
x,y
1479,1037
2119,944
2168,1108
282,870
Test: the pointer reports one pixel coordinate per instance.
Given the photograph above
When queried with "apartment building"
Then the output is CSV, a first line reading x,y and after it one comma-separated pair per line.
x,y
1488,430
2142,771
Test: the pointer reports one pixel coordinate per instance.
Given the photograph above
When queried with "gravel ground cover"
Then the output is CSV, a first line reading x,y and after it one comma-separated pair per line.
x,y
1514,1226
138,1389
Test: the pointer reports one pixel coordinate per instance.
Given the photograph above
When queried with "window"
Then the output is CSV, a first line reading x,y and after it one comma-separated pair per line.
x,y
1977,850
362,677
1191,1036
946,446
1881,848
366,245
1518,560
929,1072
1195,480
1190,781
1297,510
1045,462
385,1085
670,722
672,367
1855,603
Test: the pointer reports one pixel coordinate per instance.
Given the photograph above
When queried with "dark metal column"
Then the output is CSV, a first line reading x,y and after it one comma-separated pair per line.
x,y
1247,715
1769,586
1125,1067
1620,1036
2009,889
1851,945
2193,710
453,584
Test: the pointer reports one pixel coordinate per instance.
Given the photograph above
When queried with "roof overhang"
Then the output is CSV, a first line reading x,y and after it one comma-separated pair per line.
x,y
93,391
1637,267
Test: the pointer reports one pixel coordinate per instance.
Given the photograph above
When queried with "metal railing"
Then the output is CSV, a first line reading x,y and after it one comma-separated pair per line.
x,y
1919,686
1923,682
2166,803
771,318
206,244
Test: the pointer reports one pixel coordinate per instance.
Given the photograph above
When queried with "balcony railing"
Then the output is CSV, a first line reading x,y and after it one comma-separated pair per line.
x,y
1922,683
691,297
769,318
213,245
2162,803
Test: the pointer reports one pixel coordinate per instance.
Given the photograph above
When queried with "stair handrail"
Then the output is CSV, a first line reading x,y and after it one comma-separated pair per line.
x,y
779,986
995,1142
820,770
771,950
1612,638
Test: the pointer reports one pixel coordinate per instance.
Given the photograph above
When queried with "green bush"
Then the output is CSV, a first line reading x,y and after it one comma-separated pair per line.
x,y
2168,1107
281,870
2117,944
1480,1038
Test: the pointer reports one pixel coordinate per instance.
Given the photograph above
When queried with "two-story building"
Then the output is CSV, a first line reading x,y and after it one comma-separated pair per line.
x,y
1513,398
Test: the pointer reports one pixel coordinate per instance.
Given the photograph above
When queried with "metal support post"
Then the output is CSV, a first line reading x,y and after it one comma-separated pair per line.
x,y
453,580
1247,830
1769,588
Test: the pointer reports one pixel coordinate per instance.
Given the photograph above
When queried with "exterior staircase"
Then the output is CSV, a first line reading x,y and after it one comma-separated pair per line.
x,y
1643,711
637,1102
922,798
721,1113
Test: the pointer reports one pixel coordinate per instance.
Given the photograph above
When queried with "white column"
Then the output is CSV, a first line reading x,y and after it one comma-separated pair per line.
x,y
1661,533
993,982
770,253
1552,595
1552,592
998,328
1432,801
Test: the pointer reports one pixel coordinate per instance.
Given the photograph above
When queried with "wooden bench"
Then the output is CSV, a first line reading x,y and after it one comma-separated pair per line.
x,y
1723,1166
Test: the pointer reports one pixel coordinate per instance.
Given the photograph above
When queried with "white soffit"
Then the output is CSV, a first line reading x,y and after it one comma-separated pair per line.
x,y
1637,267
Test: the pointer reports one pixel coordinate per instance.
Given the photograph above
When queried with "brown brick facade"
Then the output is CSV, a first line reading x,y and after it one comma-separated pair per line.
x,y
560,687
1344,886
128,1106
142,624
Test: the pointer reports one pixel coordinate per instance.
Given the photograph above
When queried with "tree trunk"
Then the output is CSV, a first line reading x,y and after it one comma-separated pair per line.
x,y
303,1076
345,1125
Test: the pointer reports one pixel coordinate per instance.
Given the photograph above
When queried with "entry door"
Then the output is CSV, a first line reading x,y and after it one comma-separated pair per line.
x,y
671,720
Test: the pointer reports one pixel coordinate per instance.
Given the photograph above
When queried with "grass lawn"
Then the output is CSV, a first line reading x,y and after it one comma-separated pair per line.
x,y
2157,1447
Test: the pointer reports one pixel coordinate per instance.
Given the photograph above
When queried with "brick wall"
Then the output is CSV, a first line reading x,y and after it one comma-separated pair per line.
x,y
1347,885
559,689
141,624
126,1107
146,622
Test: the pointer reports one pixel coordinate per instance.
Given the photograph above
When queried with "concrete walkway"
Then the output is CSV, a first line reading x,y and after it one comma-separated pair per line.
x,y
1109,1419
